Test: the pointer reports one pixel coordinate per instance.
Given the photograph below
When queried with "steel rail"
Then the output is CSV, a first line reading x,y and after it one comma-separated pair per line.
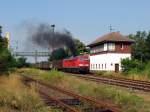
x,y
125,79
92,101
64,106
125,83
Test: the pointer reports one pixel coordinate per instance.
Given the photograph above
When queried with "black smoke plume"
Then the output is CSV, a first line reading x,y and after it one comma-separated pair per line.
x,y
44,36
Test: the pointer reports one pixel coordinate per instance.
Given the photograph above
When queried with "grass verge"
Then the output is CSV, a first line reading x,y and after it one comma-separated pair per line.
x,y
15,97
131,75
123,98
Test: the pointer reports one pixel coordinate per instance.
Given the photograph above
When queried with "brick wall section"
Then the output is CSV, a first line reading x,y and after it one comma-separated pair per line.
x,y
126,48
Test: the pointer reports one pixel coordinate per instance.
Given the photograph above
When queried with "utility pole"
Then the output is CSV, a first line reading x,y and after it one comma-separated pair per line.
x,y
36,56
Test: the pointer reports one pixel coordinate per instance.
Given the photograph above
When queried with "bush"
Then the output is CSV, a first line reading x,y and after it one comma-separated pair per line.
x,y
21,62
132,65
147,69
6,60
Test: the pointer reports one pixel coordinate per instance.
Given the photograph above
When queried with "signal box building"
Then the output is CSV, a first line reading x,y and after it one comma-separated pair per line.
x,y
106,52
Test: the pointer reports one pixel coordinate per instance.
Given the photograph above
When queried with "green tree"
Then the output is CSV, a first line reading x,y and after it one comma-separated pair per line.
x,y
0,31
59,54
147,42
3,41
129,65
80,47
6,60
139,49
21,62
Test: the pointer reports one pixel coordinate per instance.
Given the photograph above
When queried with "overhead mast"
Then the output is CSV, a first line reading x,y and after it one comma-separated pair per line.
x,y
110,28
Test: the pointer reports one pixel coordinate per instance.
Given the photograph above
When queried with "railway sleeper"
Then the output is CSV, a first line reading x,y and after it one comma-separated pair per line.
x,y
96,110
134,87
71,102
94,102
74,102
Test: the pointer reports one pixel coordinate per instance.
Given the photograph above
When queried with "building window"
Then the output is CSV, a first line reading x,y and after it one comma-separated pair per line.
x,y
102,66
93,50
121,46
93,66
111,46
111,64
99,66
105,65
96,66
96,49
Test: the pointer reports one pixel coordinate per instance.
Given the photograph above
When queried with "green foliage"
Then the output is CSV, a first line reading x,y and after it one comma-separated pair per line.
x,y
141,48
21,62
6,60
132,65
124,99
136,67
59,54
53,76
0,30
146,71
3,42
140,55
80,47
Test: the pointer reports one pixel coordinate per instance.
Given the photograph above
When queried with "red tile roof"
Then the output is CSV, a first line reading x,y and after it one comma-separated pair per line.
x,y
111,37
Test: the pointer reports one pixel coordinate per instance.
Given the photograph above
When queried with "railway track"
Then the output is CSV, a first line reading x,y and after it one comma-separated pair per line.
x,y
96,105
58,103
128,83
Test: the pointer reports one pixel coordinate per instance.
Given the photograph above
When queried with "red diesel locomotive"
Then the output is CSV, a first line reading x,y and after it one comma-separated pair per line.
x,y
74,64
78,64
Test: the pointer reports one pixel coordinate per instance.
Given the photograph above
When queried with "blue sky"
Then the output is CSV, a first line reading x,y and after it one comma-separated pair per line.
x,y
85,19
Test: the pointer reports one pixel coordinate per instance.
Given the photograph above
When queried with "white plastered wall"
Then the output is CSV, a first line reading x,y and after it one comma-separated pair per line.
x,y
107,61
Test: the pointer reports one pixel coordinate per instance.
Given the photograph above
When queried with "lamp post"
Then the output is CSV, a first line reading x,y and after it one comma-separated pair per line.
x,y
53,28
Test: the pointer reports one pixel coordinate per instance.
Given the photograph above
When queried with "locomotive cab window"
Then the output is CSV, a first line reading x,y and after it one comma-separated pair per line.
x,y
84,59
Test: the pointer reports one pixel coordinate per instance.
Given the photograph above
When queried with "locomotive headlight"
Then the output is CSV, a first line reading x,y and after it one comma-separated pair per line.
x,y
81,65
